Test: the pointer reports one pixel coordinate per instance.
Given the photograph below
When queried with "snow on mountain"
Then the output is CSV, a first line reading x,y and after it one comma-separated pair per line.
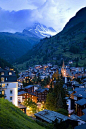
x,y
41,30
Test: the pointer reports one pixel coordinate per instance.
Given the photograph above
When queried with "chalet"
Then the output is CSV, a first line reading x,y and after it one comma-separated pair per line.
x,y
78,100
29,88
80,105
50,116
41,94
22,95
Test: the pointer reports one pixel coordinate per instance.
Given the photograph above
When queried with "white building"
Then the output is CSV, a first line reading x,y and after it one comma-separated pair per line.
x,y
9,85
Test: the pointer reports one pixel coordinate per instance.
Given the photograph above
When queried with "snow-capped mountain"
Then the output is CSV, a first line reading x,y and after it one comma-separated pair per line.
x,y
41,30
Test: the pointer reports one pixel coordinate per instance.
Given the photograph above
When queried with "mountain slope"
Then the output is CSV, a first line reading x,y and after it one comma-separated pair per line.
x,y
13,46
41,30
69,44
13,118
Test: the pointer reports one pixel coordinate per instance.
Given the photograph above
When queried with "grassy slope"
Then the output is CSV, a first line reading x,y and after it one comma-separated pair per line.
x,y
13,118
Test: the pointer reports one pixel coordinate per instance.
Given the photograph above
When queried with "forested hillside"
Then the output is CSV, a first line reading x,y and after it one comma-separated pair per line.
x,y
69,44
13,46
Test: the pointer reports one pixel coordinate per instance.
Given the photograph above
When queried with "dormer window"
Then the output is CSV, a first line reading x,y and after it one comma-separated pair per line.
x,y
2,73
10,73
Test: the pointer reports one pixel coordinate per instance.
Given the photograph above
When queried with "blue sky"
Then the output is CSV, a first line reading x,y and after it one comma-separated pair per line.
x,y
15,15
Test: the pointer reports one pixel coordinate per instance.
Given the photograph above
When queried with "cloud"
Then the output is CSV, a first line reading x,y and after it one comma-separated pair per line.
x,y
19,14
15,20
57,13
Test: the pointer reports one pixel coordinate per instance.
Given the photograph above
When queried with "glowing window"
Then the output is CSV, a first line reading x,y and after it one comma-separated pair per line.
x,y
10,73
2,79
2,73
3,85
2,92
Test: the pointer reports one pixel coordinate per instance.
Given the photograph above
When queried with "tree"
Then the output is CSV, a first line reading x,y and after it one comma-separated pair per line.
x,y
32,105
55,75
51,89
56,98
50,102
35,80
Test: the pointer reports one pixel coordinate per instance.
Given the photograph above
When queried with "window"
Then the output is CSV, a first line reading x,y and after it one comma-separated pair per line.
x,y
2,79
10,73
10,97
2,73
3,85
2,92
11,91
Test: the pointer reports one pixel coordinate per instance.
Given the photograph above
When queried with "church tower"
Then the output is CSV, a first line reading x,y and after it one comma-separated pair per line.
x,y
63,71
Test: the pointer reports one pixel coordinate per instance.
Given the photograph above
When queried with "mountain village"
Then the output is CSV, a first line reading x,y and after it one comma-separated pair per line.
x,y
28,87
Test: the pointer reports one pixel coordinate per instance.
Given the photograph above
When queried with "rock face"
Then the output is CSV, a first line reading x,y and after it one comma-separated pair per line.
x,y
41,30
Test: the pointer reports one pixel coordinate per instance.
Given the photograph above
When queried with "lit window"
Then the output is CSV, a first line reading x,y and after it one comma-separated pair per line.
x,y
2,79
2,73
3,85
10,73
11,98
11,91
2,92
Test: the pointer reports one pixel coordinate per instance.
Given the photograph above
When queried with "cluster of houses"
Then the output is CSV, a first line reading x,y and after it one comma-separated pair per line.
x,y
13,90
42,70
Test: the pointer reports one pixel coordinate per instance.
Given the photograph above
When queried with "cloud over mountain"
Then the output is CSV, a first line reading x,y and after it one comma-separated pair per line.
x,y
17,15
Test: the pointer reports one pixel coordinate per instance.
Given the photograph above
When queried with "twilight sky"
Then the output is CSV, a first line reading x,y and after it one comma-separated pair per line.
x,y
16,15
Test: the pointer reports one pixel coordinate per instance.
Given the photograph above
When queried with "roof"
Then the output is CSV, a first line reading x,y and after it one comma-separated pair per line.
x,y
21,92
79,89
83,117
83,126
29,86
50,116
81,94
24,92
21,106
9,75
84,111
75,117
81,102
42,90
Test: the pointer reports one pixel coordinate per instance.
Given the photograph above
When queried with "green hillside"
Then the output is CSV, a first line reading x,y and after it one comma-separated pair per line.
x,y
13,118
13,46
69,44
4,63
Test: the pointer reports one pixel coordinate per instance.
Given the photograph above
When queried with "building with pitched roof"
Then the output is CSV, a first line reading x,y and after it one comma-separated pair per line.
x,y
9,85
